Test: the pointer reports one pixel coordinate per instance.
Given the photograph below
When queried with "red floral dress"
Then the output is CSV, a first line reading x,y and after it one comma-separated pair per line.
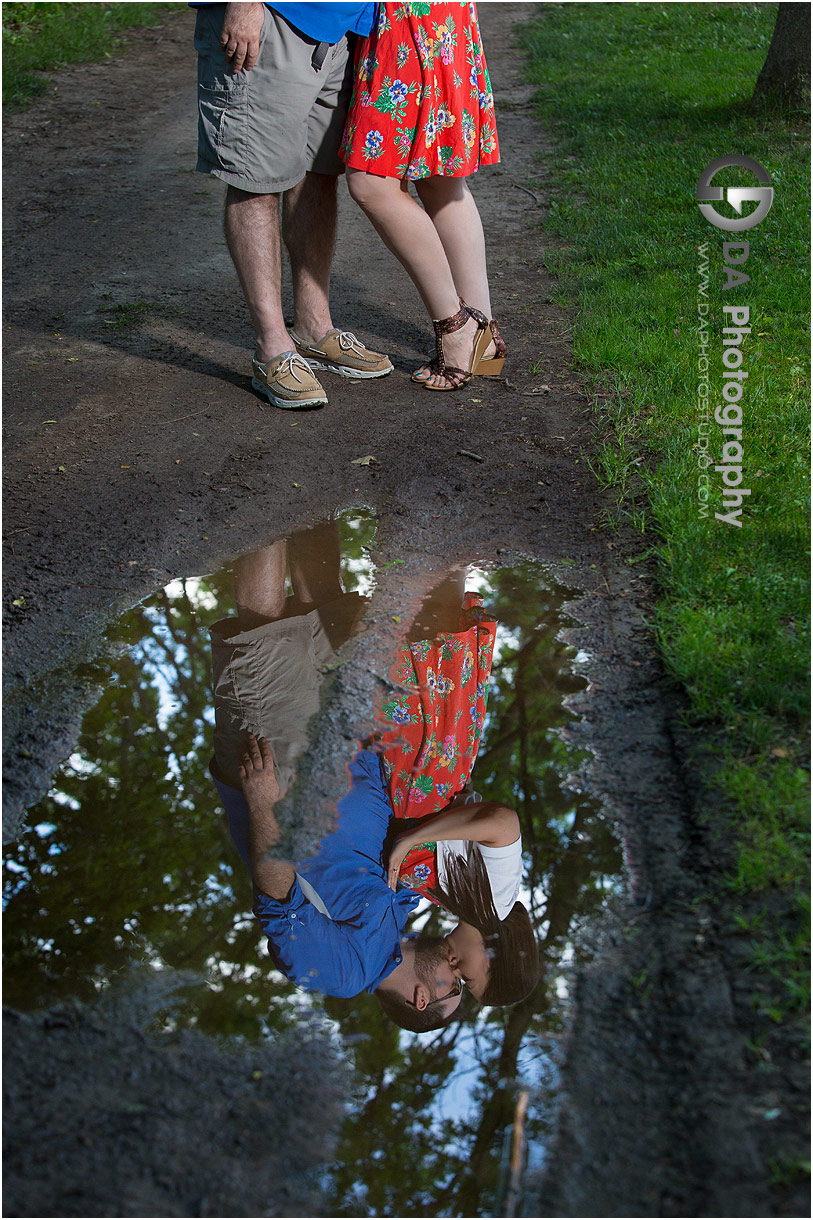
x,y
422,102
429,757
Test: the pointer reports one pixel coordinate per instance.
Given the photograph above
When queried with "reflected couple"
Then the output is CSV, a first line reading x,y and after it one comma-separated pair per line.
x,y
409,825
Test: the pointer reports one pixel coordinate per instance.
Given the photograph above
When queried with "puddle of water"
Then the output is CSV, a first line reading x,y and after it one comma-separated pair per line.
x,y
129,860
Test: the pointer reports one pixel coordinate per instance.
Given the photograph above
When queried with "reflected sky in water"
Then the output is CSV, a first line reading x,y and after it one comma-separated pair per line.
x,y
128,861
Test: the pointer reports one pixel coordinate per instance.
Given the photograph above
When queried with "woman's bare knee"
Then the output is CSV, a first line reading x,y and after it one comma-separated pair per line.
x,y
370,191
435,193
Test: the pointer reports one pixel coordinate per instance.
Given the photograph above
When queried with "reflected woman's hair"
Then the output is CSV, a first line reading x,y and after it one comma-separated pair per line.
x,y
513,951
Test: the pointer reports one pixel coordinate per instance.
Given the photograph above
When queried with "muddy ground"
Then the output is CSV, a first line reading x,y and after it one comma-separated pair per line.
x,y
136,451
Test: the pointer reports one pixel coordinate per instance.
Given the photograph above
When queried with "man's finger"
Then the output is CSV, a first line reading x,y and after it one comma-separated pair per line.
x,y
265,751
253,755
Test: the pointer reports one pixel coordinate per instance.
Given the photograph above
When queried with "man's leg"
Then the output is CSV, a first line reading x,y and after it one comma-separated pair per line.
x,y
314,556
309,232
259,585
252,227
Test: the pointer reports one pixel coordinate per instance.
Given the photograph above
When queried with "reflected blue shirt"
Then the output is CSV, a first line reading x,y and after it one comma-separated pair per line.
x,y
357,945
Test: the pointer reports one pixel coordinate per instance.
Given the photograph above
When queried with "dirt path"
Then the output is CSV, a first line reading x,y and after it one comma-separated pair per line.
x,y
125,326
135,451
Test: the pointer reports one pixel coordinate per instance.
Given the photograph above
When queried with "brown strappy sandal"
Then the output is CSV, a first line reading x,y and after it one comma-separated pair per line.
x,y
446,326
490,366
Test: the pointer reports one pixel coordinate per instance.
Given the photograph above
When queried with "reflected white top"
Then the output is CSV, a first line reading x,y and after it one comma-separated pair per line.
x,y
503,865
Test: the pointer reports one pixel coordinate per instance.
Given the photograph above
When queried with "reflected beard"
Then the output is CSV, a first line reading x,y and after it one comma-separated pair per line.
x,y
430,952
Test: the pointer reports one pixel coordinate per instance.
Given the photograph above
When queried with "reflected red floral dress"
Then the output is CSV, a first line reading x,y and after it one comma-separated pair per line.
x,y
428,758
422,102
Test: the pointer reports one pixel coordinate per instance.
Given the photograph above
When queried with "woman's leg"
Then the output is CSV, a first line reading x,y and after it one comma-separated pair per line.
x,y
442,608
451,207
409,232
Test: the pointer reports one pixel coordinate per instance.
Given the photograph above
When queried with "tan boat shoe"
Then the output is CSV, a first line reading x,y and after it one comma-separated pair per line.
x,y
287,382
339,351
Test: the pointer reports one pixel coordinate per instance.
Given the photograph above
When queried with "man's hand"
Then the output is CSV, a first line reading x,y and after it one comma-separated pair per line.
x,y
401,845
262,791
260,785
240,36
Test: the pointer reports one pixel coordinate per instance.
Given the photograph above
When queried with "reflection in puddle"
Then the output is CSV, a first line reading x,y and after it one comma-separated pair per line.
x,y
128,859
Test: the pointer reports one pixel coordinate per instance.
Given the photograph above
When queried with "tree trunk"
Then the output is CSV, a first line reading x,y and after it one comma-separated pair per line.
x,y
785,77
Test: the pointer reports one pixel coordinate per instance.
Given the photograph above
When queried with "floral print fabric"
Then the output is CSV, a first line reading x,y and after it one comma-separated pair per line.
x,y
428,757
422,102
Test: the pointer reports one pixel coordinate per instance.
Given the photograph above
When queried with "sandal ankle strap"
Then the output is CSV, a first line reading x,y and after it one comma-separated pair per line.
x,y
499,342
445,326
480,318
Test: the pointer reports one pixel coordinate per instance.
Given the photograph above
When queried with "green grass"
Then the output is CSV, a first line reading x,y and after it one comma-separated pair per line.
x,y
787,1171
130,313
639,99
39,37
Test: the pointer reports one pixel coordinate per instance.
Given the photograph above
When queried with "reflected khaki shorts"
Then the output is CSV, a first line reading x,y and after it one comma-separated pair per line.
x,y
262,130
267,680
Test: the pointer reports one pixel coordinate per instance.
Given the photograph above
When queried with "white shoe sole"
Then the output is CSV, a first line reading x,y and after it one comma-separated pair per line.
x,y
287,404
342,370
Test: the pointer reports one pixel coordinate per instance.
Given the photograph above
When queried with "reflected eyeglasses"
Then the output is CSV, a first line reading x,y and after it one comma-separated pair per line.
x,y
450,995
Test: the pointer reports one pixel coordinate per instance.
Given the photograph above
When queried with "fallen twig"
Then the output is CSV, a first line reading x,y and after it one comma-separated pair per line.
x,y
182,417
535,198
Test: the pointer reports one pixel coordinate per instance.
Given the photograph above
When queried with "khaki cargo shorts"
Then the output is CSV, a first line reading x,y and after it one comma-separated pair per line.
x,y
262,130
267,680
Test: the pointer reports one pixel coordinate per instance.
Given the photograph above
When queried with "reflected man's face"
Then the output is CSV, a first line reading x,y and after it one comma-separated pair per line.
x,y
434,972
447,999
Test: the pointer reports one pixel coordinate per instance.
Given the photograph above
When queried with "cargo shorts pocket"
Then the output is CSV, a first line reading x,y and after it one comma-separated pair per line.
x,y
222,126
